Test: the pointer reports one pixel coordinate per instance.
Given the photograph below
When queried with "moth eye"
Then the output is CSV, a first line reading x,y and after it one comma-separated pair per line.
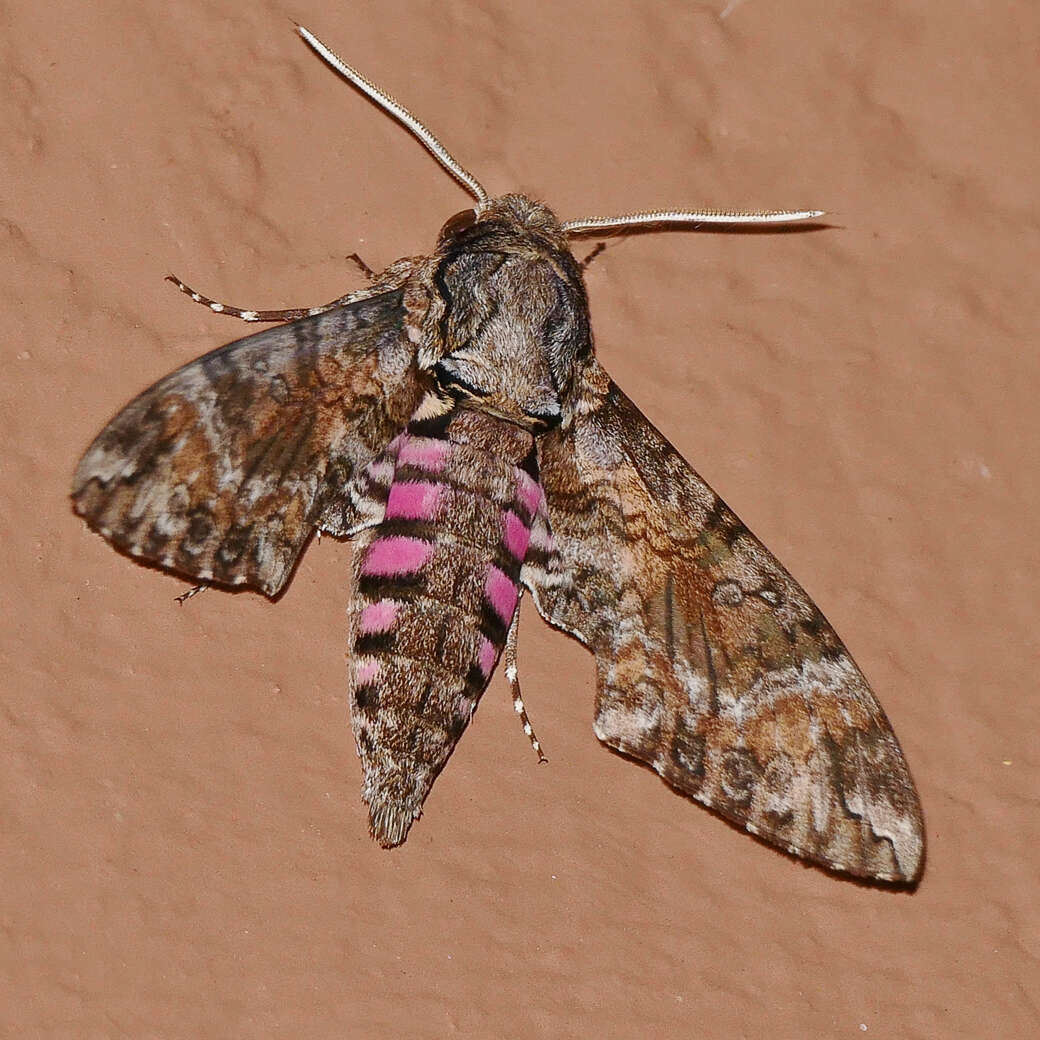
x,y
453,383
457,224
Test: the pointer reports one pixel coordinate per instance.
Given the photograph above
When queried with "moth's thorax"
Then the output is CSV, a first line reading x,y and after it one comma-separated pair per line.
x,y
437,584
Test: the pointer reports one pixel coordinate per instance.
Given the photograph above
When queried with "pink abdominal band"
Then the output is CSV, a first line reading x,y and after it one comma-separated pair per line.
x,y
487,657
378,617
418,501
515,535
388,557
501,593
423,453
529,491
367,670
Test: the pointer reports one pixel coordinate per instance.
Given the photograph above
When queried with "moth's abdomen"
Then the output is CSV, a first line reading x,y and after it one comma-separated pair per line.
x,y
436,586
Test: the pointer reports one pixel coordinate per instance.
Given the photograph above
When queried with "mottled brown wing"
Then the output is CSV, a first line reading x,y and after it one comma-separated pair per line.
x,y
221,470
714,667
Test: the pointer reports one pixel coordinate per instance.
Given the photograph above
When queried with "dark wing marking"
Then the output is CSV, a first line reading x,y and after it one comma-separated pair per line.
x,y
221,470
714,667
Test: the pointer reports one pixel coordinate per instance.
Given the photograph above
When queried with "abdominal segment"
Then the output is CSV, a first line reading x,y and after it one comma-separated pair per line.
x,y
436,587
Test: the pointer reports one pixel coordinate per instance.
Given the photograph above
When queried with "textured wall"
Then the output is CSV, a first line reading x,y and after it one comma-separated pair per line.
x,y
182,845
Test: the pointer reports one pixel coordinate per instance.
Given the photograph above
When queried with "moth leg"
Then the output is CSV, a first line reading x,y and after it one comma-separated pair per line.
x,y
600,247
363,267
193,591
290,314
514,681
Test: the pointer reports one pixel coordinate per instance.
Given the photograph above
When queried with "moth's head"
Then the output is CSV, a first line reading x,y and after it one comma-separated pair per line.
x,y
527,222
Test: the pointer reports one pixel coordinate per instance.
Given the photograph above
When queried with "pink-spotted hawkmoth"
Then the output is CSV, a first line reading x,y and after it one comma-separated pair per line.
x,y
453,417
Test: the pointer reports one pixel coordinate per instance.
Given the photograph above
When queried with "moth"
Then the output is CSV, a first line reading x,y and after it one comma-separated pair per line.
x,y
453,419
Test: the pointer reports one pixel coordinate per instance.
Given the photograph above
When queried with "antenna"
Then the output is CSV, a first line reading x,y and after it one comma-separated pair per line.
x,y
681,216
400,113
571,227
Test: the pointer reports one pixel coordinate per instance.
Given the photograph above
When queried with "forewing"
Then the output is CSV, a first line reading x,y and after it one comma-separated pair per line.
x,y
221,470
714,667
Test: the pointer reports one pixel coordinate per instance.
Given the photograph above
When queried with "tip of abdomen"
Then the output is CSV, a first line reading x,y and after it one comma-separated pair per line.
x,y
390,823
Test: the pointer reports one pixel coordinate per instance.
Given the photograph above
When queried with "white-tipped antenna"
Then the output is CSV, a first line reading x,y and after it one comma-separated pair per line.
x,y
680,216
400,113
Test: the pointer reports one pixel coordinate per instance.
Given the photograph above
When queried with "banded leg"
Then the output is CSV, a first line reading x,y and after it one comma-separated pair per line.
x,y
600,247
363,267
513,675
290,314
193,591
